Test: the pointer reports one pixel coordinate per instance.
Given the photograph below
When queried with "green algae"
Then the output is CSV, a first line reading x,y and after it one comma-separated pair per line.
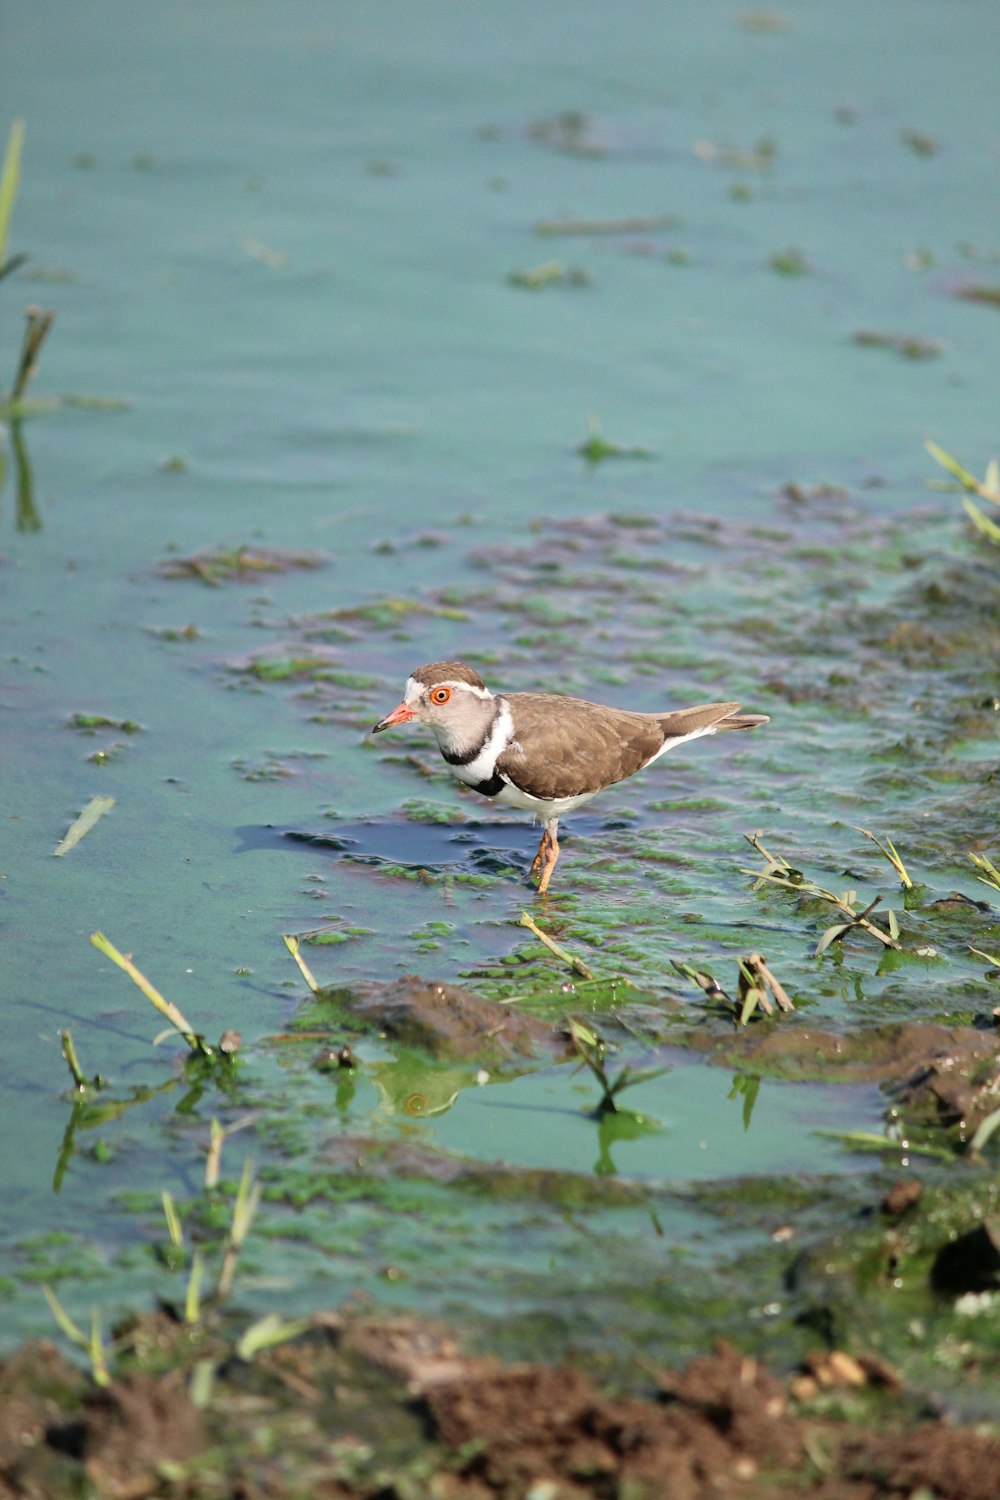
x,y
878,692
90,723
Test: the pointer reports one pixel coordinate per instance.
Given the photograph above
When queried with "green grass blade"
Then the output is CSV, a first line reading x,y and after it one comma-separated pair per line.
x,y
292,944
173,1220
62,1317
192,1297
95,809
9,181
96,1350
965,479
985,525
992,876
266,1332
985,1130
568,958
166,1007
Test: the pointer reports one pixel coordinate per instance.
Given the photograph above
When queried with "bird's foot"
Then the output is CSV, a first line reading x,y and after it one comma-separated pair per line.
x,y
542,856
550,863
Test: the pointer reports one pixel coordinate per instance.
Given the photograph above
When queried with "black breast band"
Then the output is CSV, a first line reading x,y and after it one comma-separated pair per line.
x,y
489,788
463,757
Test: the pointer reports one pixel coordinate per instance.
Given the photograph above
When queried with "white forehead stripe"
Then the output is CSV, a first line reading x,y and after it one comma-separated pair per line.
x,y
415,690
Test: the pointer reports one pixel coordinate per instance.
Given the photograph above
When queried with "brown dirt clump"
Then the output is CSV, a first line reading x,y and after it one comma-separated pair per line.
x,y
721,1421
723,1428
369,1409
947,1073
448,1021
133,1428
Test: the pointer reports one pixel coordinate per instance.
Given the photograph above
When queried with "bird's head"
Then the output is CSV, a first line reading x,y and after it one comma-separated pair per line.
x,y
450,697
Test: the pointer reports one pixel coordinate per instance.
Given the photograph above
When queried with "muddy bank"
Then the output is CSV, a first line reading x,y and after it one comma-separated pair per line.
x,y
355,1408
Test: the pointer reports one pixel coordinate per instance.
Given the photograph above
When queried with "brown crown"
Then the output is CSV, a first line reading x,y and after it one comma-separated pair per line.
x,y
447,671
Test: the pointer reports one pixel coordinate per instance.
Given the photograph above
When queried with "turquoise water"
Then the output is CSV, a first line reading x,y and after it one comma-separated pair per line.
x,y
283,237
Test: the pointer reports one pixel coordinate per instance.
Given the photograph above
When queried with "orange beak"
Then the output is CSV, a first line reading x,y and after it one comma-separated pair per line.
x,y
398,716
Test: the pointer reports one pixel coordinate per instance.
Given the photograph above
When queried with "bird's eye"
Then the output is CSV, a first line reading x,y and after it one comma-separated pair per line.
x,y
440,695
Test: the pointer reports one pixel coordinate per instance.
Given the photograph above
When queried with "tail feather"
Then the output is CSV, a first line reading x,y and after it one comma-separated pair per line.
x,y
707,718
742,721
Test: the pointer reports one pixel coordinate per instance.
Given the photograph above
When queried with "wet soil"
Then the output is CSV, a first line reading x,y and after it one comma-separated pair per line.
x,y
356,1408
442,1019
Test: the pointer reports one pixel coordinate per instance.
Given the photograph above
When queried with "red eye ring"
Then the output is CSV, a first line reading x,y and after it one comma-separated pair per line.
x,y
440,695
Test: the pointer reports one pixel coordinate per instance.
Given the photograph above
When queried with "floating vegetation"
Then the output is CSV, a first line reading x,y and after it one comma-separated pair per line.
x,y
284,669
422,810
640,224
551,273
265,254
758,158
790,262
220,565
267,768
575,963
988,295
763,22
919,142
173,632
382,614
595,449
570,131
91,723
94,810
906,345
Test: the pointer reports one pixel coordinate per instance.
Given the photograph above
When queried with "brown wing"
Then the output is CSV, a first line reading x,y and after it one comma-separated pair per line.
x,y
565,746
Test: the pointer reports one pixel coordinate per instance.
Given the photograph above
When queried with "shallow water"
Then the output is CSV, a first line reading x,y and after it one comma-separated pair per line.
x,y
284,237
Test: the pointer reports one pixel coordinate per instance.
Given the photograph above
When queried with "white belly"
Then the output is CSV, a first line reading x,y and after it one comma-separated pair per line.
x,y
512,796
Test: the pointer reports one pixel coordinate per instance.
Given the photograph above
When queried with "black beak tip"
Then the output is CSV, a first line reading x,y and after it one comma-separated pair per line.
x,y
377,728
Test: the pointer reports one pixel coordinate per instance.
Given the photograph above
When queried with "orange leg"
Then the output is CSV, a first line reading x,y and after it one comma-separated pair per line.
x,y
548,853
542,855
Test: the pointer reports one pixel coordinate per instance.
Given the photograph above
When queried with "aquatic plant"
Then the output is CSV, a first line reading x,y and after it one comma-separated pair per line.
x,y
92,813
597,448
888,848
262,1334
550,273
906,345
757,988
81,1083
219,565
196,1043
568,958
988,488
592,1051
10,179
779,872
92,1343
992,875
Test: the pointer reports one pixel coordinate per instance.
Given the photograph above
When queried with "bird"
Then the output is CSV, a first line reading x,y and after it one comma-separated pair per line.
x,y
543,752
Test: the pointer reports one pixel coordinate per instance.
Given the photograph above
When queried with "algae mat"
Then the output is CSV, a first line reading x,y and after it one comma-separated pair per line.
x,y
602,356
